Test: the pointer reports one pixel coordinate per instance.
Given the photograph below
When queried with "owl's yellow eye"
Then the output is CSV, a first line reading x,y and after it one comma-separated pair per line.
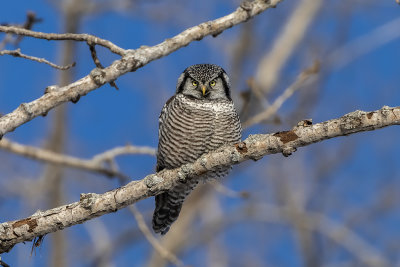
x,y
194,83
213,83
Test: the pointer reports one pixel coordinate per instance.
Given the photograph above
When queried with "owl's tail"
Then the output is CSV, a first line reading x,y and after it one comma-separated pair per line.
x,y
169,204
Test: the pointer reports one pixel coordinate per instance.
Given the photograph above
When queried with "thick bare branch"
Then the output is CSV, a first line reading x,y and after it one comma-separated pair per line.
x,y
96,164
131,61
17,53
254,147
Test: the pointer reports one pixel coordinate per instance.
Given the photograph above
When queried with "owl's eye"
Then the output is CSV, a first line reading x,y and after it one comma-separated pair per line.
x,y
194,83
213,83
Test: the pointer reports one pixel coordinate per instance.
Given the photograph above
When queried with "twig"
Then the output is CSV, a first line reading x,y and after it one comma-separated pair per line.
x,y
30,21
272,109
131,61
220,188
258,92
152,240
364,44
254,147
96,164
122,150
80,37
17,53
97,62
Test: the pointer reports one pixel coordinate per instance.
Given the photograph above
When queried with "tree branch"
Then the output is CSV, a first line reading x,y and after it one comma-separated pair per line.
x,y
341,234
152,240
273,108
17,53
80,37
131,61
31,19
254,147
96,164
270,66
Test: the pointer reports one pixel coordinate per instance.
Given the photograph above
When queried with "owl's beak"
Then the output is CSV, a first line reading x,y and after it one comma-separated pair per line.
x,y
203,89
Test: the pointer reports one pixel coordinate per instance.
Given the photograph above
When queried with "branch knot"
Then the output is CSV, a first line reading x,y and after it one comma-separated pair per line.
x,y
153,180
98,76
87,200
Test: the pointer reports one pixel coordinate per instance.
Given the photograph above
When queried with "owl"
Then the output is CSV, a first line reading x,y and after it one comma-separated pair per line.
x,y
199,118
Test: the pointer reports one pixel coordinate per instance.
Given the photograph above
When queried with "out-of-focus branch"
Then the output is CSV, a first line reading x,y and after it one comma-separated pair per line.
x,y
131,61
268,71
152,240
177,235
101,243
344,237
254,147
272,109
96,164
122,150
31,19
17,53
313,221
220,188
364,44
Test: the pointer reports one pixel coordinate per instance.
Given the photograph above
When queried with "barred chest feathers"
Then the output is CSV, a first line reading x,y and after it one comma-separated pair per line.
x,y
190,127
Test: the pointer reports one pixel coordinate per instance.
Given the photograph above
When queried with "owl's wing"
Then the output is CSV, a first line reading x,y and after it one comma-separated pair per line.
x,y
160,166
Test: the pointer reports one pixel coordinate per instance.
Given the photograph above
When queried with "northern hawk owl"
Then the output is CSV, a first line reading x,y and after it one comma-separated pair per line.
x,y
199,118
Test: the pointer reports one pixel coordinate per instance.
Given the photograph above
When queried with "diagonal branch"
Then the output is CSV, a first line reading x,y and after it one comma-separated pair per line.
x,y
152,240
254,147
273,108
131,61
270,66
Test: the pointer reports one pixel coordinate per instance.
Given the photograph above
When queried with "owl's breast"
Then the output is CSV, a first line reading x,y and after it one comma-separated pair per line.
x,y
189,128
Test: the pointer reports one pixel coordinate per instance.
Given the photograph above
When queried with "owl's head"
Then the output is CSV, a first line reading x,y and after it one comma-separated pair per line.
x,y
204,81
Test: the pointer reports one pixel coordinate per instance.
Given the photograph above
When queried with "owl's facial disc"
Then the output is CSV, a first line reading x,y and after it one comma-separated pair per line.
x,y
204,82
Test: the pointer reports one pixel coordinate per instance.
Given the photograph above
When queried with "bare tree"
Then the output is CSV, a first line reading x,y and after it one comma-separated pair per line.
x,y
280,192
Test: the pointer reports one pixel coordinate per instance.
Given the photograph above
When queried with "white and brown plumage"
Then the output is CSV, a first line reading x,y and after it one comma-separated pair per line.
x,y
199,118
